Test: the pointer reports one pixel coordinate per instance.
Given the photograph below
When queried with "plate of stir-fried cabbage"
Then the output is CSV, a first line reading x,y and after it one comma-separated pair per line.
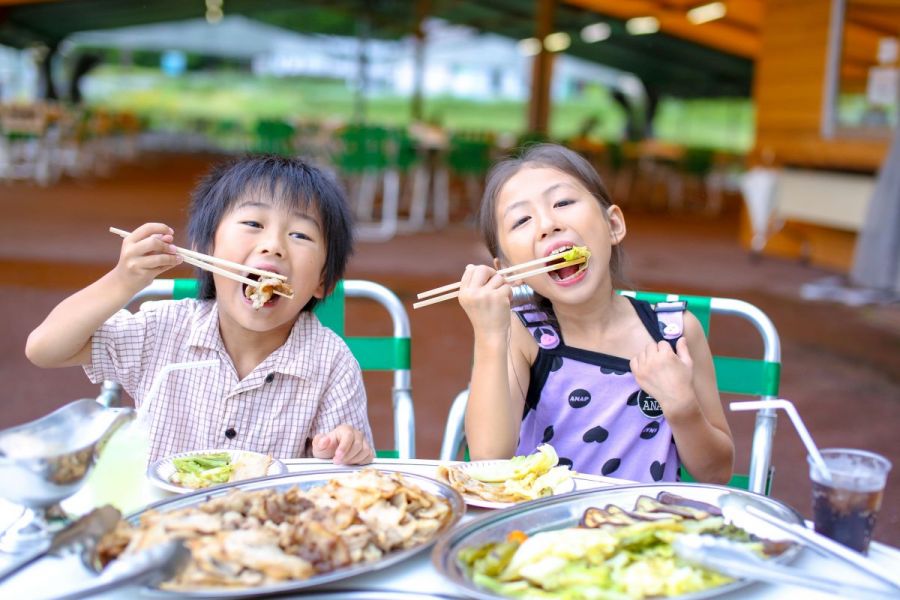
x,y
502,483
614,543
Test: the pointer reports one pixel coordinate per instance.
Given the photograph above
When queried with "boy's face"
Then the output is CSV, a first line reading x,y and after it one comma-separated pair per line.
x,y
260,233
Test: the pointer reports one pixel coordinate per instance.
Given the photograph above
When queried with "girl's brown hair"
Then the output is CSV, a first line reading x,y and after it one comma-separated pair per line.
x,y
551,156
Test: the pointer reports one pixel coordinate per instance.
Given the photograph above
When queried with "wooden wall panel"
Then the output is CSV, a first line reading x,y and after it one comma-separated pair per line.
x,y
788,92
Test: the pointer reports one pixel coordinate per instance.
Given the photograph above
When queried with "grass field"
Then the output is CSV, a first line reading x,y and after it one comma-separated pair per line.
x,y
230,95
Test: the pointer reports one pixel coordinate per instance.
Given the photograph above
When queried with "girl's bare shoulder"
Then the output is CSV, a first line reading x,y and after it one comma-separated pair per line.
x,y
521,342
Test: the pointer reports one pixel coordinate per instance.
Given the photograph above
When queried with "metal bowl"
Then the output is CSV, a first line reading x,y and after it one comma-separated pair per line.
x,y
566,511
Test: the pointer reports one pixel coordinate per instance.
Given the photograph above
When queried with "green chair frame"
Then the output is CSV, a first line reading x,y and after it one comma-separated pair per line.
x,y
744,376
373,353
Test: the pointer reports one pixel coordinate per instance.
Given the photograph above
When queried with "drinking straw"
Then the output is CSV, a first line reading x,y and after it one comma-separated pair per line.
x,y
163,373
789,408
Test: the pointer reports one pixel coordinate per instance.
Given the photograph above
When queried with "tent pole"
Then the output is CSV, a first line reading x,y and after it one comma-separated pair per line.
x,y
542,70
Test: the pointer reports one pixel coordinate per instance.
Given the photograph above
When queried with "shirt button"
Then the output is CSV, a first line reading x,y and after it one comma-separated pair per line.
x,y
230,433
270,377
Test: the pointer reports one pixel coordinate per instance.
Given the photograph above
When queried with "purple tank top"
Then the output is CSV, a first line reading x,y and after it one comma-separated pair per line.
x,y
589,407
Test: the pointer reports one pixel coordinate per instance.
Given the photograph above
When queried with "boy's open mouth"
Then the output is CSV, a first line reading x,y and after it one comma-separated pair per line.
x,y
251,294
565,273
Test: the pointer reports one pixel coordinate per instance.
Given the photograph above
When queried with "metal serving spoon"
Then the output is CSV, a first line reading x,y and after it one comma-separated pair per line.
x,y
89,528
732,559
149,567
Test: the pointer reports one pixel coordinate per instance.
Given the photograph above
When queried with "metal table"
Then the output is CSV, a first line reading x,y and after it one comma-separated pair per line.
x,y
410,580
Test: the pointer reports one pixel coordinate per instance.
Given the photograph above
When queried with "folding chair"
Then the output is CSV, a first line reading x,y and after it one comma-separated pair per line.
x,y
373,353
745,376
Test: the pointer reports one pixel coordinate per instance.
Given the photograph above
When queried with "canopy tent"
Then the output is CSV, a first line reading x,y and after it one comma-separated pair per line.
x,y
670,64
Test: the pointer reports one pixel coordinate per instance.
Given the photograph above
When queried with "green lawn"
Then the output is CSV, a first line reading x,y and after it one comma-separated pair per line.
x,y
175,102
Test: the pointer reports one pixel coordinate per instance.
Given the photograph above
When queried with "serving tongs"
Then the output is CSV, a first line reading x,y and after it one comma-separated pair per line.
x,y
814,541
88,529
735,560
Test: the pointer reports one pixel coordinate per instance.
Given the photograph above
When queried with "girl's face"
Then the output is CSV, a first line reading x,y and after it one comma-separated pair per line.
x,y
541,210
261,233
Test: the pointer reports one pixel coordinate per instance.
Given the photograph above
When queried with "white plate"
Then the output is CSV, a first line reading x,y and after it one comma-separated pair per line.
x,y
563,487
160,472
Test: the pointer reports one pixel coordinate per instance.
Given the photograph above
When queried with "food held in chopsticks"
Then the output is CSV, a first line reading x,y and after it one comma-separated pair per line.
x,y
262,291
561,258
615,552
264,537
203,470
518,479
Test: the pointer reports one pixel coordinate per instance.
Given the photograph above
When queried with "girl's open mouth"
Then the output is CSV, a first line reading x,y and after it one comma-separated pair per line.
x,y
569,273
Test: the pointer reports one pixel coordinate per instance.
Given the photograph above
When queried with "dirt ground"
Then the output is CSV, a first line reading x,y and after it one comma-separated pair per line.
x,y
841,365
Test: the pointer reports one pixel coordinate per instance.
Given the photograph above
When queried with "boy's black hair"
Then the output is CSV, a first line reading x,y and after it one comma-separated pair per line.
x,y
289,182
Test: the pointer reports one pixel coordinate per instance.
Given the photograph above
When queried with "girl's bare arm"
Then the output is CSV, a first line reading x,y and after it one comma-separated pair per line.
x,y
684,383
64,338
500,377
492,420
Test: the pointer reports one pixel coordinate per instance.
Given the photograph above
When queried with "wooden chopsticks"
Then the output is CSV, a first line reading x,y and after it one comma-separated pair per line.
x,y
209,263
510,271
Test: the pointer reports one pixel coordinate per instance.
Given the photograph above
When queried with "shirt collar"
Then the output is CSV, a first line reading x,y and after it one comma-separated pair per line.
x,y
289,359
205,330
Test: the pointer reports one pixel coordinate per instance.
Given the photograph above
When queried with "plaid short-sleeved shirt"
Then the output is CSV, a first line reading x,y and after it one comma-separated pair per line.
x,y
309,385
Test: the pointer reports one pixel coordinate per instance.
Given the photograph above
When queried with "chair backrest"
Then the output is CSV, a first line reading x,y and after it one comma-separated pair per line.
x,y
373,353
745,376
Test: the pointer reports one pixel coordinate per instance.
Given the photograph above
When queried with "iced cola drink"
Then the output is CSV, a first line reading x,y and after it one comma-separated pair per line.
x,y
846,506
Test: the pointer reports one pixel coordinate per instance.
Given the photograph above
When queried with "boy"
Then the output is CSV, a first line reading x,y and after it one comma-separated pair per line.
x,y
285,385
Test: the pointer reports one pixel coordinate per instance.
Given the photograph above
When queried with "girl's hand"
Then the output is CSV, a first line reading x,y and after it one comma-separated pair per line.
x,y
146,253
345,444
667,376
485,296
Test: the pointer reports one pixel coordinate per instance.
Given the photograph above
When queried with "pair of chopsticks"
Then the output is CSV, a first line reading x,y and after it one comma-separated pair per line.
x,y
453,288
215,265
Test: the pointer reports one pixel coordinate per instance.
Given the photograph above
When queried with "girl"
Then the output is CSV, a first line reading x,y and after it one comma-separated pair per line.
x,y
598,375
285,384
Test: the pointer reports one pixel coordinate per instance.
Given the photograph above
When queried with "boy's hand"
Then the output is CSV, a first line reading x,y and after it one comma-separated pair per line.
x,y
346,445
666,375
146,253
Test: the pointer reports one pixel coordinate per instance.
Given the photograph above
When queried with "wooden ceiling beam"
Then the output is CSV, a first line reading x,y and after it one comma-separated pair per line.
x,y
721,35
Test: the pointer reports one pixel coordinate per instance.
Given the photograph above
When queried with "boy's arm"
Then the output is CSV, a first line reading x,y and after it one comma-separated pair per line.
x,y
343,404
64,338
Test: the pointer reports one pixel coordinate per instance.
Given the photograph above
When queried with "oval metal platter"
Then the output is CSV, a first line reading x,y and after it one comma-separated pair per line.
x,y
566,511
305,480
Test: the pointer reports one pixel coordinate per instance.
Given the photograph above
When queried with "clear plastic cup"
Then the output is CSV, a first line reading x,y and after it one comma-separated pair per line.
x,y
845,508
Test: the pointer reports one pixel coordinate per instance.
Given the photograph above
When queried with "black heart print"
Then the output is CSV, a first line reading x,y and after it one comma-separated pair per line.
x,y
650,430
610,466
611,371
565,462
548,434
657,469
595,434
556,363
579,398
